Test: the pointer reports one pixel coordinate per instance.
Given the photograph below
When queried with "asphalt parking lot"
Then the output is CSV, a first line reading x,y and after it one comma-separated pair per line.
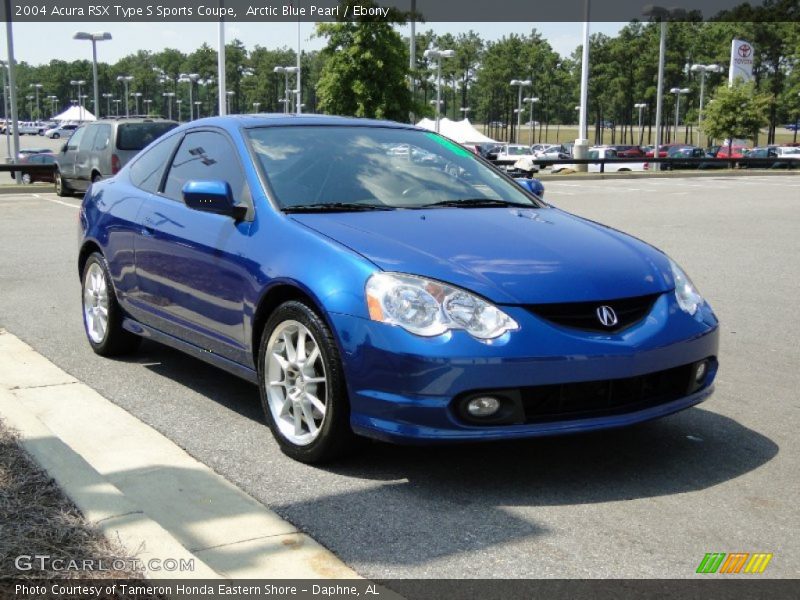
x,y
647,501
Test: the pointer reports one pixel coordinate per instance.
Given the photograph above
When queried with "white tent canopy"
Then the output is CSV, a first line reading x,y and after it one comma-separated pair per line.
x,y
462,132
75,113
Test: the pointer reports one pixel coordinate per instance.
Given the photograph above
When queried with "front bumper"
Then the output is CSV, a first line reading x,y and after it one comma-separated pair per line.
x,y
402,387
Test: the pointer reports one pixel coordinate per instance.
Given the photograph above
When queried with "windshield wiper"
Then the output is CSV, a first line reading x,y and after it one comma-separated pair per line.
x,y
476,203
334,207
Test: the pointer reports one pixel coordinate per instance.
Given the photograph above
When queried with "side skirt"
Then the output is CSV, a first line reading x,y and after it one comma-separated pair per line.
x,y
205,355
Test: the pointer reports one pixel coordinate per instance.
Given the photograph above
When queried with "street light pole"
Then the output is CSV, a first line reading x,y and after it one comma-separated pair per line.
x,y
678,93
99,36
108,98
229,94
37,87
136,96
126,79
520,83
435,53
79,83
531,125
3,66
169,96
703,69
190,78
178,103
641,106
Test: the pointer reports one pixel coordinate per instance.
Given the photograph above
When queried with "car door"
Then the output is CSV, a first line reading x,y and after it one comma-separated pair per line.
x,y
66,159
189,264
83,157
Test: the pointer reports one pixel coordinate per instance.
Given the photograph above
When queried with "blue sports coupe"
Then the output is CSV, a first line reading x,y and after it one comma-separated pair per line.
x,y
376,279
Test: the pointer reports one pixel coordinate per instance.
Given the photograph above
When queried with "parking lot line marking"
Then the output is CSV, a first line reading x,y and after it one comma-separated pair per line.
x,y
55,201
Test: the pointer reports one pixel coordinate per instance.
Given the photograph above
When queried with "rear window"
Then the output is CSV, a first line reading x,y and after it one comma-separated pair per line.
x,y
135,136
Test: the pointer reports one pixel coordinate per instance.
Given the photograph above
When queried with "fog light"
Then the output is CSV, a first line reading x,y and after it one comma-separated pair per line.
x,y
700,374
483,406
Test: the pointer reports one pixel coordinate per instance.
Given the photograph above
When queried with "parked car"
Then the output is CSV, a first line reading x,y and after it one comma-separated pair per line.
x,y
663,150
732,151
511,153
533,185
629,151
676,153
602,152
60,131
370,295
44,158
100,149
30,127
552,152
784,157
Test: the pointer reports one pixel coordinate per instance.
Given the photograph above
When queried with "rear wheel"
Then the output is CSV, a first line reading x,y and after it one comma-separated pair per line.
x,y
302,386
56,136
62,189
102,316
26,178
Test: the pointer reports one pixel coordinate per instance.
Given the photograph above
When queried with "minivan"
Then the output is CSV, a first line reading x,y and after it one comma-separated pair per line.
x,y
100,149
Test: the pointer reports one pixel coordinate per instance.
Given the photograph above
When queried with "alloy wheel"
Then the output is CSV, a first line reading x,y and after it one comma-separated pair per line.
x,y
95,303
296,382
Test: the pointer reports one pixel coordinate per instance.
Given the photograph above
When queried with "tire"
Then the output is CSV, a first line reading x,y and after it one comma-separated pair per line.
x,y
26,178
96,177
55,136
103,331
62,189
313,426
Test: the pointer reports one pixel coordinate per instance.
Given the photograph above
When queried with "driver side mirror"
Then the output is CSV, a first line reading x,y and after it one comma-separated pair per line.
x,y
213,197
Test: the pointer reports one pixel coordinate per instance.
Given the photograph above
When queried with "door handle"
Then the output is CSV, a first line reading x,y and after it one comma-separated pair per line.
x,y
147,226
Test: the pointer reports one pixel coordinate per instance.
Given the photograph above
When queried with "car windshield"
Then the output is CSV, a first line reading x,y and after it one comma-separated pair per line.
x,y
518,150
352,167
135,136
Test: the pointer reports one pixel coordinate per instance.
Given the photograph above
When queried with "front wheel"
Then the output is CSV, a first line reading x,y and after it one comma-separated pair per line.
x,y
56,136
26,178
302,386
102,316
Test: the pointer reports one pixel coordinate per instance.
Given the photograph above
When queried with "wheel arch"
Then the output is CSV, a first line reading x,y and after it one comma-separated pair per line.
x,y
87,249
276,295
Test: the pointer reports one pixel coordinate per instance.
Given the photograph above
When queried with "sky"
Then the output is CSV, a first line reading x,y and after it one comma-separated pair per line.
x,y
39,43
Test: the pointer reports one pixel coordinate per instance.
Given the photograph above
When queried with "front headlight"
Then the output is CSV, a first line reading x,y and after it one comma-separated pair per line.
x,y
429,308
689,299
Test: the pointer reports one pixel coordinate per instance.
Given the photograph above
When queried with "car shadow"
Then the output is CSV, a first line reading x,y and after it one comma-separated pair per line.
x,y
407,505
451,499
215,384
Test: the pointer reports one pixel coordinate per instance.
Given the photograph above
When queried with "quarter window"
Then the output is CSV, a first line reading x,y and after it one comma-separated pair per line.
x,y
146,172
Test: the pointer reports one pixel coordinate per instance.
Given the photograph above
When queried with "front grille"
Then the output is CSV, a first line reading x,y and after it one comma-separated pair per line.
x,y
544,403
583,315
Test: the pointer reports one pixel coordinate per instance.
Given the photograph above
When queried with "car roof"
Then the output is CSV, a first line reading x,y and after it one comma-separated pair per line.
x,y
252,121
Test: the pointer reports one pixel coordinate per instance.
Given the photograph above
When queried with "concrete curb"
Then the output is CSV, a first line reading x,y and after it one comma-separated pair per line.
x,y
143,490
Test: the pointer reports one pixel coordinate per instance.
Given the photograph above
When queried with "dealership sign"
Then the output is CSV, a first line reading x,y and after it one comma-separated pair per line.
x,y
741,61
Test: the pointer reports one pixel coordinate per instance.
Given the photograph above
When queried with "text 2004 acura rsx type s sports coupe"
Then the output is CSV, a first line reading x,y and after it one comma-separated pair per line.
x,y
375,279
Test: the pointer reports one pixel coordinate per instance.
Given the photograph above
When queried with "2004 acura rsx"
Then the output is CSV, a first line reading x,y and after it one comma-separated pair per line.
x,y
375,279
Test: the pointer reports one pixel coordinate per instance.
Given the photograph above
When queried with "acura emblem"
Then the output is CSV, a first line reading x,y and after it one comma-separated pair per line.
x,y
606,315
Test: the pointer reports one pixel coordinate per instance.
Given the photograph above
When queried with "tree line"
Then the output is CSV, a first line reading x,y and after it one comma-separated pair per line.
x,y
363,70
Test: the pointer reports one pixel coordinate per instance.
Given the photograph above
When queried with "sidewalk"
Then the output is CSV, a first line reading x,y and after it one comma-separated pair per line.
x,y
141,489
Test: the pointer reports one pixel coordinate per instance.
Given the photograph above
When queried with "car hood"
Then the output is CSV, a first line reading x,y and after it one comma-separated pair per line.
x,y
508,255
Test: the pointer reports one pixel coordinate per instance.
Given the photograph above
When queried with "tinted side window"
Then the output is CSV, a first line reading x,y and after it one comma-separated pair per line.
x,y
76,138
102,138
148,168
206,155
87,142
135,136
